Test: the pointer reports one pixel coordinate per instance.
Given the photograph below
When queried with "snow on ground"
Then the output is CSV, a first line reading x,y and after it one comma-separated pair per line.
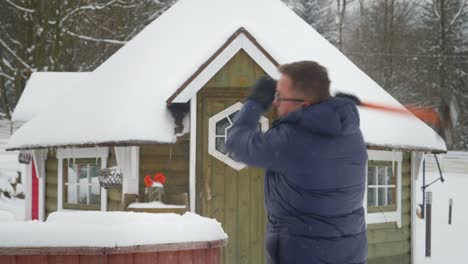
x,y
449,242
6,216
110,229
13,207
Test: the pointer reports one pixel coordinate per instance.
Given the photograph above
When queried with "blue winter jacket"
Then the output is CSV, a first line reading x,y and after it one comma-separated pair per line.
x,y
315,161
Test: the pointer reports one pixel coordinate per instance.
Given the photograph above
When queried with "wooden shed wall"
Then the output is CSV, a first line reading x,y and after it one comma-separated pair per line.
x,y
114,196
170,159
387,242
51,183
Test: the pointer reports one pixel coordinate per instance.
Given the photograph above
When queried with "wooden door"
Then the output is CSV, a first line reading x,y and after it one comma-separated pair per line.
x,y
234,198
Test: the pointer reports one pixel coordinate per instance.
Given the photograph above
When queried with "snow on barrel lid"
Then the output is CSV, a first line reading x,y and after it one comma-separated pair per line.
x,y
110,229
124,100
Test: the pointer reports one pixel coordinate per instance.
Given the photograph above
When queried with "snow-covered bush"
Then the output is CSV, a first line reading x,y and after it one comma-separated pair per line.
x,y
10,185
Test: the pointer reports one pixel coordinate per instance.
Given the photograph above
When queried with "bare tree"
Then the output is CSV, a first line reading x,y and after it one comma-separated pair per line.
x,y
58,35
318,14
341,6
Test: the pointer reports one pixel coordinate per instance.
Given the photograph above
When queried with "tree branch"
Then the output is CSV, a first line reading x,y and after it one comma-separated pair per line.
x,y
111,41
457,15
436,12
11,78
20,7
83,8
27,66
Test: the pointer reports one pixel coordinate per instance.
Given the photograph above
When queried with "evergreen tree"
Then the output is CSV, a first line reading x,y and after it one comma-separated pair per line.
x,y
318,14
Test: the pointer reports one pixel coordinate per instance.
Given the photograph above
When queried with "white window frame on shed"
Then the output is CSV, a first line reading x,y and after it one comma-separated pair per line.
x,y
386,216
212,135
80,153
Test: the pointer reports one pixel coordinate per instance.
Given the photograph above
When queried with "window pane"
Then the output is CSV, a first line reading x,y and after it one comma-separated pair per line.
x,y
390,179
221,127
83,183
381,196
82,173
381,175
71,174
94,171
82,193
95,192
221,145
233,116
371,175
72,187
390,196
371,197
71,193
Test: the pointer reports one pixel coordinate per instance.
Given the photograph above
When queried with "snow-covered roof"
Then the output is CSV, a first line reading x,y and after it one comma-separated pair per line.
x,y
124,100
42,90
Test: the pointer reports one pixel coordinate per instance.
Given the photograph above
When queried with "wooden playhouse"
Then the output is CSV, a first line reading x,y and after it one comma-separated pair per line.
x,y
164,102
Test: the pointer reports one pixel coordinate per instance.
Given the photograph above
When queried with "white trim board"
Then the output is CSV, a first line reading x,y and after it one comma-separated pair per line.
x,y
416,163
27,185
71,153
193,153
40,157
240,42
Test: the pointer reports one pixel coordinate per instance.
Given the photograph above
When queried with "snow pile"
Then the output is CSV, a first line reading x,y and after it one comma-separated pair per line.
x,y
13,207
5,183
10,183
110,229
11,189
448,241
6,216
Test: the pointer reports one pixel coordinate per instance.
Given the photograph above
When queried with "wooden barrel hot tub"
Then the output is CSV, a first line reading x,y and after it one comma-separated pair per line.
x,y
207,252
111,238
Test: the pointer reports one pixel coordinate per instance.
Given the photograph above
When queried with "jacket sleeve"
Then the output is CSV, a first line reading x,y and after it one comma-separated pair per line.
x,y
246,143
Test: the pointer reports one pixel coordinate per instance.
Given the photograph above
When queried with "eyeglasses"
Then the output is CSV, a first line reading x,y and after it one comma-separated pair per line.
x,y
280,99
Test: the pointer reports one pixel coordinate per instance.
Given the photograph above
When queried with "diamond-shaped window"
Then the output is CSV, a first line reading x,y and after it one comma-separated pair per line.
x,y
218,127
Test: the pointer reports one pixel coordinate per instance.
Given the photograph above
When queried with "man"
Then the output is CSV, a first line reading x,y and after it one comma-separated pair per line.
x,y
315,160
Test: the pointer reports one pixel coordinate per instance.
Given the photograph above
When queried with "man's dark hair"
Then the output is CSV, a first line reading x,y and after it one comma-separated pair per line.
x,y
308,78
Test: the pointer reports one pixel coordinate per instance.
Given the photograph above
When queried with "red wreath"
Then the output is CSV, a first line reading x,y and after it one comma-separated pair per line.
x,y
160,177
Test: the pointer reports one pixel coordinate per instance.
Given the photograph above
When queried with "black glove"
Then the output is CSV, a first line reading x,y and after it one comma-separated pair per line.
x,y
263,91
350,97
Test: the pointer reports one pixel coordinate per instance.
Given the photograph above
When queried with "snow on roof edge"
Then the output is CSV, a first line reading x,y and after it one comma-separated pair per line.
x,y
376,146
90,144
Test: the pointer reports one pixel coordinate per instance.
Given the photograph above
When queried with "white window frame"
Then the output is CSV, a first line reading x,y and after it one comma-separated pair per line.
x,y
78,185
378,186
80,153
212,135
387,216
